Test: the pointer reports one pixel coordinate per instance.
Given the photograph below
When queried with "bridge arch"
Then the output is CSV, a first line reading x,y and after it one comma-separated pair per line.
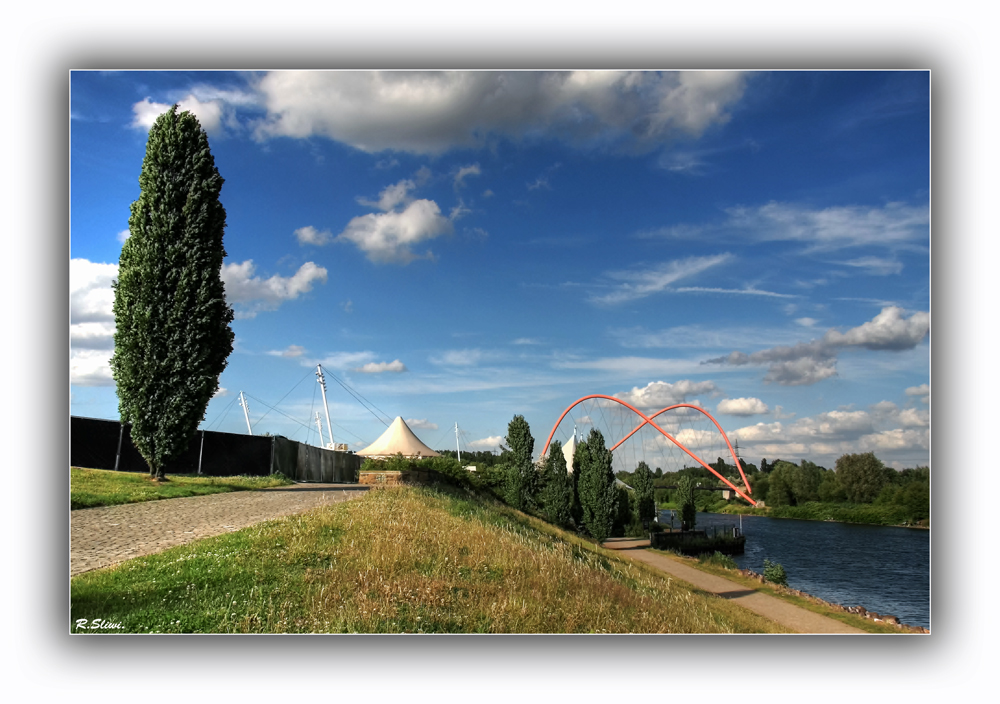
x,y
648,420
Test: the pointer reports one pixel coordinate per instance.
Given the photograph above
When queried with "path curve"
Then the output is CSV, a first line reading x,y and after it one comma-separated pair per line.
x,y
789,615
103,536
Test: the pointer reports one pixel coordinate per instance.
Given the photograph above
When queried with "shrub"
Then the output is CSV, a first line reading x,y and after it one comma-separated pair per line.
x,y
774,572
717,558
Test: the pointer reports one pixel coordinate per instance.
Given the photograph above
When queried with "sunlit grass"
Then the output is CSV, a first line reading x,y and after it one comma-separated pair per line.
x,y
100,487
399,560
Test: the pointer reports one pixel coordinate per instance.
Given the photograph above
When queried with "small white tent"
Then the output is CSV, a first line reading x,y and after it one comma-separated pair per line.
x,y
398,439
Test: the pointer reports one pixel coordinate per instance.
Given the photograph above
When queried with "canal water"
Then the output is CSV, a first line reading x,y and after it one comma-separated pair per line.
x,y
884,569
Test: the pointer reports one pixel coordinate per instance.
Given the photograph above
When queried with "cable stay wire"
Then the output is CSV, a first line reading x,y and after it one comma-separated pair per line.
x,y
264,403
270,408
220,418
384,419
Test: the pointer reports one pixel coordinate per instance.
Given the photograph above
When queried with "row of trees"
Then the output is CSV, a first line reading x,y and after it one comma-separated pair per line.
x,y
584,497
856,479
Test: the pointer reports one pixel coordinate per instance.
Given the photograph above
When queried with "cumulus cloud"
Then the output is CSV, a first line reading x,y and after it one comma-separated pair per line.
x,y
221,392
388,238
209,113
742,407
380,367
421,424
391,196
213,106
660,394
491,443
432,112
822,438
310,235
810,362
645,282
923,391
92,322
257,294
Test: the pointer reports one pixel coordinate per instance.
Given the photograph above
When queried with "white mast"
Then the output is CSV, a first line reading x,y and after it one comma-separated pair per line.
x,y
457,448
322,385
246,412
319,427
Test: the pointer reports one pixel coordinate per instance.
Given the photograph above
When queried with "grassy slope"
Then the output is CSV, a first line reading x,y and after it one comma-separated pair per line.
x,y
399,560
100,487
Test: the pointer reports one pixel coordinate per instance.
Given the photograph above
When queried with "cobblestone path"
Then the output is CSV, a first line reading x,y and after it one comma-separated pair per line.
x,y
103,536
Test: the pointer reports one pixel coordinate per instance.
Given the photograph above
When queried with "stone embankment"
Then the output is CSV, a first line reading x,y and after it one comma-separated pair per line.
x,y
858,610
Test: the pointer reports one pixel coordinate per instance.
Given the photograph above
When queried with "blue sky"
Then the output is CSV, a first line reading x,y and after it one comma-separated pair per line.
x,y
463,247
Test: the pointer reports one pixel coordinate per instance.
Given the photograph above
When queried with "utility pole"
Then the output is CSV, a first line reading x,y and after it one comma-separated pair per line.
x,y
319,427
322,385
457,448
246,412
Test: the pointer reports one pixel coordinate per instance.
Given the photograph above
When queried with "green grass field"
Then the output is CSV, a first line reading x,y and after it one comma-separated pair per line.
x,y
100,487
397,560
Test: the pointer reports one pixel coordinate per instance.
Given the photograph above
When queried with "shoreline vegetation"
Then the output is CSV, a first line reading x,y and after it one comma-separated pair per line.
x,y
866,514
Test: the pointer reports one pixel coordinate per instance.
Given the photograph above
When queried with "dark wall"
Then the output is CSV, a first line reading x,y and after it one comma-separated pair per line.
x,y
94,444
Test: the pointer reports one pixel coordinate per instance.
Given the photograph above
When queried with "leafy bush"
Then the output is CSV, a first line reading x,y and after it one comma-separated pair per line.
x,y
774,572
718,559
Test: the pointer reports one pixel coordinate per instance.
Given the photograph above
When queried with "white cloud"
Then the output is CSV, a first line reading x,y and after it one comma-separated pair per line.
x,y
660,394
387,238
259,294
123,235
92,322
836,227
391,196
432,112
742,407
810,362
806,322
826,436
221,392
491,443
290,351
878,266
421,424
380,367
641,283
463,172
459,358
209,113
924,391
310,235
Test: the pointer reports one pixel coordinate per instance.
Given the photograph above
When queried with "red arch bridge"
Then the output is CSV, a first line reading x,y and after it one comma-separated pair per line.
x,y
675,437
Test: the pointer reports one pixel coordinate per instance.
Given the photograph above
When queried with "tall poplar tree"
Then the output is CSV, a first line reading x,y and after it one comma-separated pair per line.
x,y
642,482
172,335
522,477
597,490
557,489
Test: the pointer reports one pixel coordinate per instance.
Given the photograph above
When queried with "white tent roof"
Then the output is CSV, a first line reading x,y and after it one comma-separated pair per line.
x,y
398,439
568,450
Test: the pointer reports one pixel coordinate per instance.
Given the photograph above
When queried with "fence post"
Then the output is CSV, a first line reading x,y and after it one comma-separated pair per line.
x,y
121,432
271,465
201,449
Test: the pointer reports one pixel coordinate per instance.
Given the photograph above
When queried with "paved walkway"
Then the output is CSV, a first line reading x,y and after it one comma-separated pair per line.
x,y
103,536
796,618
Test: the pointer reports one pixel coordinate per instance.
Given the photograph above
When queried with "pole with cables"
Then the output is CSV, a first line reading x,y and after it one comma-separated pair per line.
x,y
246,412
322,385
319,427
457,448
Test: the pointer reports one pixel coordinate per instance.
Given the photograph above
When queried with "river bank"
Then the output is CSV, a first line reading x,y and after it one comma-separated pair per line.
x,y
861,514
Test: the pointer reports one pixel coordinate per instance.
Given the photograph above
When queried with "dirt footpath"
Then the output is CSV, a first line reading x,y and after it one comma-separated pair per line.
x,y
796,618
102,536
